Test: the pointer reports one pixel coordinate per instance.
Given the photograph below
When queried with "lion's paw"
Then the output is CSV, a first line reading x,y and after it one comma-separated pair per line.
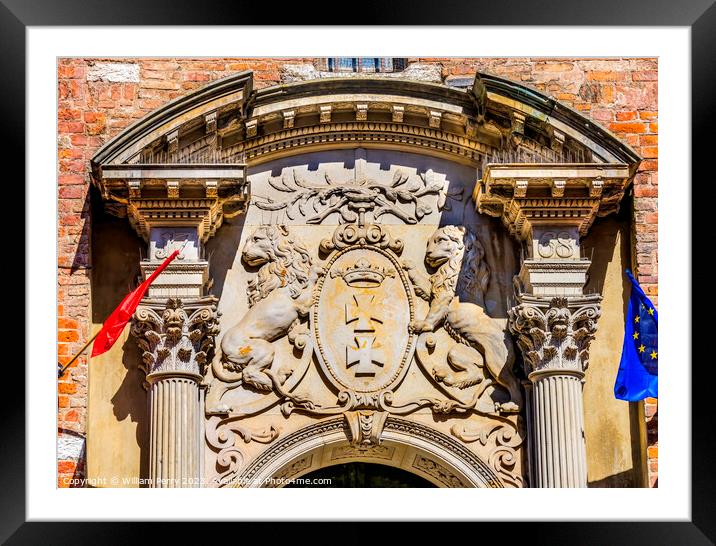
x,y
507,407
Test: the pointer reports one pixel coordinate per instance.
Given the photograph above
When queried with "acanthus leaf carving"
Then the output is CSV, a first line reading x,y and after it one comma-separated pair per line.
x,y
224,436
402,197
555,333
503,438
176,335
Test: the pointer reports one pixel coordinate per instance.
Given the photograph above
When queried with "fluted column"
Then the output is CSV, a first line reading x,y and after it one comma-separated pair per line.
x,y
176,338
554,335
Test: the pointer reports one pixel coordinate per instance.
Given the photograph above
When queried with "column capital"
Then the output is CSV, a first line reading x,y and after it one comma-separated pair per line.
x,y
554,334
176,336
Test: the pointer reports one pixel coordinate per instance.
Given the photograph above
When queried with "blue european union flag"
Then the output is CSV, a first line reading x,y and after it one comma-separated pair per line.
x,y
638,375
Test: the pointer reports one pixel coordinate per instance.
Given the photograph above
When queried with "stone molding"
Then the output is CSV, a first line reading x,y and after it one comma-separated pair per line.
x,y
197,195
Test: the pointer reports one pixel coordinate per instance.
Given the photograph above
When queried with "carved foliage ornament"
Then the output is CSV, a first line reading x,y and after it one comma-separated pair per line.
x,y
402,197
178,337
556,336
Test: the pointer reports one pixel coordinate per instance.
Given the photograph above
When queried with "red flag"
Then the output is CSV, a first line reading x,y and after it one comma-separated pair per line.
x,y
113,326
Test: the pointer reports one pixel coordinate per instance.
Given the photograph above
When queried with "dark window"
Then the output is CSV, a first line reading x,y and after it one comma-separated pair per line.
x,y
362,64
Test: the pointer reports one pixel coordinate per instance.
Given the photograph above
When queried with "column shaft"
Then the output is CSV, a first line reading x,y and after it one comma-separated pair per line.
x,y
558,431
175,432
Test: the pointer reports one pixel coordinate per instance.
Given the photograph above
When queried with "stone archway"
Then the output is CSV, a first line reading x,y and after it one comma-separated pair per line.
x,y
407,445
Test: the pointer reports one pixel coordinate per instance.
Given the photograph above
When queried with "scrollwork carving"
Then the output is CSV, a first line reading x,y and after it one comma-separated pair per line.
x,y
224,436
504,437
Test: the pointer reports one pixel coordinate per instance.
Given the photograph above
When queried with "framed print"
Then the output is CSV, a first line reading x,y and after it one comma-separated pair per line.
x,y
294,259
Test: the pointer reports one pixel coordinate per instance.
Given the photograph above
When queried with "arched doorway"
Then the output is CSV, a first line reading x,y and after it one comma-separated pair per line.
x,y
405,445
361,475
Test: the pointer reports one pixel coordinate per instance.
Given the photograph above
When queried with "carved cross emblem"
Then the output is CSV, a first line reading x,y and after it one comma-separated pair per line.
x,y
361,312
365,354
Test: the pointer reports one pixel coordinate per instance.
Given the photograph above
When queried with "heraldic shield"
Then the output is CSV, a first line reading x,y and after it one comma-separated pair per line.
x,y
363,307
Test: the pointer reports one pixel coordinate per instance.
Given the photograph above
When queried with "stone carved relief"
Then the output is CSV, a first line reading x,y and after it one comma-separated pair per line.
x,y
176,337
279,298
293,469
373,451
503,439
362,308
480,342
437,471
556,335
317,200
354,308
365,427
225,436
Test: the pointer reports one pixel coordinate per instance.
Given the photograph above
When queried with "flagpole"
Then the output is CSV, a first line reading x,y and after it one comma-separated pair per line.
x,y
61,369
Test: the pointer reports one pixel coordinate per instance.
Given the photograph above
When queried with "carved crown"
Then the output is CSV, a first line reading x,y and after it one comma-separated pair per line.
x,y
363,274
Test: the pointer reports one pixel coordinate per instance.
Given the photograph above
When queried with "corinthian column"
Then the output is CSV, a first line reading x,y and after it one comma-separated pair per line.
x,y
554,337
549,208
176,338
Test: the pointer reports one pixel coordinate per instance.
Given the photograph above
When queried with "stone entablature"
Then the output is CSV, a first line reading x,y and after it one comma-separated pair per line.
x,y
197,195
534,197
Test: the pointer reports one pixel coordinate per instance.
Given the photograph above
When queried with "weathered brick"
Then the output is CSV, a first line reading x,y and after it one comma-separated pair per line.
x,y
650,152
67,388
628,127
606,76
647,75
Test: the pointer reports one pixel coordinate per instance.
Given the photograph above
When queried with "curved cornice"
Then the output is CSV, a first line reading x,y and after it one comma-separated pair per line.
x,y
488,113
219,94
555,110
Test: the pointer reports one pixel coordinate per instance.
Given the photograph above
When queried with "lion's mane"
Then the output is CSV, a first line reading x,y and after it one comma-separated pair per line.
x,y
466,271
290,265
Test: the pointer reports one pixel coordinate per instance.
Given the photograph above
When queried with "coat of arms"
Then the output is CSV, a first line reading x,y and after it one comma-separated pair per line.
x,y
361,302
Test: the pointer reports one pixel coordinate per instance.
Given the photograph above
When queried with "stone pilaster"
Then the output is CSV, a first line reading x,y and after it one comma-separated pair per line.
x,y
554,336
176,338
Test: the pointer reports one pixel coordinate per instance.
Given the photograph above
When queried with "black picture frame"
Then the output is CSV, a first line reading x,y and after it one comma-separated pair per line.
x,y
699,15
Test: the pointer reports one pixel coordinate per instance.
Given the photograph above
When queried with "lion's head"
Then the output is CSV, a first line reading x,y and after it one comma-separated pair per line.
x,y
459,257
284,259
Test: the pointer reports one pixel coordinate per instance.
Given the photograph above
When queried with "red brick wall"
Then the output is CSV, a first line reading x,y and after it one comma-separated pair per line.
x,y
619,94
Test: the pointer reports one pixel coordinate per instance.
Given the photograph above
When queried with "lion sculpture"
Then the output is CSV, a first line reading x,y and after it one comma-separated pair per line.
x,y
279,301
458,256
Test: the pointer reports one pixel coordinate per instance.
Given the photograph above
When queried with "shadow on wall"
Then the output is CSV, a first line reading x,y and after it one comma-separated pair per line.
x,y
604,236
116,253
621,479
130,400
223,250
